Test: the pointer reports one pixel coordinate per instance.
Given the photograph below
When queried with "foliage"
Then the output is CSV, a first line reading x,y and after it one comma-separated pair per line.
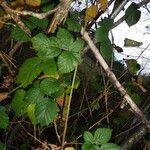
x,y
47,81
132,14
4,118
99,140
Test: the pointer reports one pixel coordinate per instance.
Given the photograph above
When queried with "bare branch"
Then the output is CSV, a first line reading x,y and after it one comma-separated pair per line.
x,y
16,18
113,79
118,9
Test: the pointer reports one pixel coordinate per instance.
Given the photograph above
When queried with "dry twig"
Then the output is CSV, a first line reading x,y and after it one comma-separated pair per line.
x,y
113,79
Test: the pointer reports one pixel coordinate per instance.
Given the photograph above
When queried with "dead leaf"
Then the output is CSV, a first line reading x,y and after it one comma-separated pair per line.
x,y
91,12
3,96
33,3
60,101
69,148
103,5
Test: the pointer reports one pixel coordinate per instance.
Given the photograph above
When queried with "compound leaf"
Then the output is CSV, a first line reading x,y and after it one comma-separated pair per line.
x,y
46,47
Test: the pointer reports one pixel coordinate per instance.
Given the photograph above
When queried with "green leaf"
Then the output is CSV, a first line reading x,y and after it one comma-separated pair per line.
x,y
106,50
72,22
59,93
2,146
64,34
88,137
110,146
73,25
67,81
132,14
67,62
64,38
49,67
18,103
136,98
88,146
46,5
101,34
19,35
4,119
33,96
39,23
46,111
46,47
30,69
106,23
31,113
76,46
132,65
102,135
50,86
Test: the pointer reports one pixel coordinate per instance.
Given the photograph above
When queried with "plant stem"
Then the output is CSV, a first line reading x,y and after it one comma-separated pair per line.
x,y
68,110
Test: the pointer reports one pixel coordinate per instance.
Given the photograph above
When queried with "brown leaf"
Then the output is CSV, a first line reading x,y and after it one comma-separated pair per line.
x,y
103,5
3,96
33,3
91,12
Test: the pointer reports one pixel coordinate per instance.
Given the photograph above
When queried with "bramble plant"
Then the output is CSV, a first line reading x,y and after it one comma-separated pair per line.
x,y
99,140
42,92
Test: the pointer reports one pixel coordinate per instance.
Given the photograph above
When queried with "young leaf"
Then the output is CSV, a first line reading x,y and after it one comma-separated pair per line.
x,y
132,14
132,65
46,111
31,113
46,47
50,86
88,137
110,146
18,103
67,62
30,69
4,119
19,35
88,146
102,135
